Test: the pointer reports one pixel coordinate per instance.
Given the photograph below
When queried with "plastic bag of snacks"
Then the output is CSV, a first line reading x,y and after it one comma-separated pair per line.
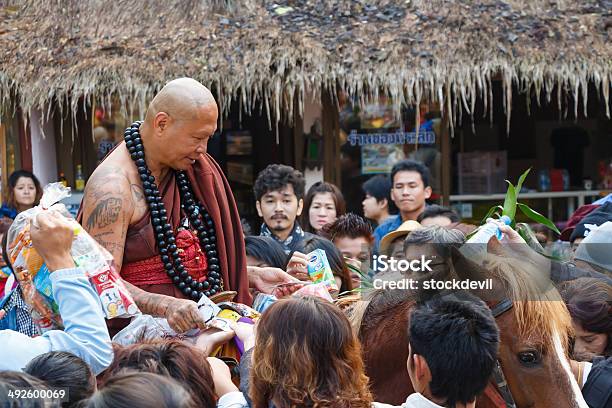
x,y
320,271
33,275
144,327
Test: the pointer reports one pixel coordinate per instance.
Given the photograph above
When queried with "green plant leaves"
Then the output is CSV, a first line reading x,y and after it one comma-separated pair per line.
x,y
491,212
510,202
537,217
521,179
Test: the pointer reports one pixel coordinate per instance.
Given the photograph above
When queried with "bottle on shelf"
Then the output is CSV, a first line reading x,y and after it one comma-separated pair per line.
x,y
79,181
62,179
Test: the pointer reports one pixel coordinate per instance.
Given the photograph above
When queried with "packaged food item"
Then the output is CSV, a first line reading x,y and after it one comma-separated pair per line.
x,y
34,276
208,309
242,310
113,294
318,289
320,271
262,301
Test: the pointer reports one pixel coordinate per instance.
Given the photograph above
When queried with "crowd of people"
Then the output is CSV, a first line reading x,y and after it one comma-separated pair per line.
x,y
299,350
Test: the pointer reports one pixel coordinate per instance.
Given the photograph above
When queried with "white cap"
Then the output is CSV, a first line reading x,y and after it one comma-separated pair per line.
x,y
595,248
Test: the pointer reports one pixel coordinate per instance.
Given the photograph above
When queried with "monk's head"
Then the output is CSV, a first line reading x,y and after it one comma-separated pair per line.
x,y
179,122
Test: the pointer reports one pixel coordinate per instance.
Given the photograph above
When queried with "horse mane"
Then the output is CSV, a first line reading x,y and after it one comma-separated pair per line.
x,y
379,305
538,307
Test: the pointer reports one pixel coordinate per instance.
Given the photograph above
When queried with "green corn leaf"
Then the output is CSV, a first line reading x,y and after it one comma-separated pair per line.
x,y
537,217
510,201
492,211
519,185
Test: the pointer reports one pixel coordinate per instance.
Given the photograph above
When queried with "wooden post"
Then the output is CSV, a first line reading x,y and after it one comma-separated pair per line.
x,y
331,142
25,141
445,151
3,163
298,136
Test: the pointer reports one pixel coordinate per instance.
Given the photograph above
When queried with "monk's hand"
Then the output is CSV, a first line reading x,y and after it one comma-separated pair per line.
x,y
183,315
273,281
52,235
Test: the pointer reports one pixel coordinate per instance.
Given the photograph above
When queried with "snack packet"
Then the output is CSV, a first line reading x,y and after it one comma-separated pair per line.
x,y
320,271
34,276
242,310
262,301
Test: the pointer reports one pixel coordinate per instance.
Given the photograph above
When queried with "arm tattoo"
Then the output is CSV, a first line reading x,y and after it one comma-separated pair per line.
x,y
106,213
149,303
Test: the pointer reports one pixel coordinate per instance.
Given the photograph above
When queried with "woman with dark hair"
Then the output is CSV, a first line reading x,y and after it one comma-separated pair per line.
x,y
264,251
334,256
24,193
589,302
171,358
141,390
60,369
306,354
322,205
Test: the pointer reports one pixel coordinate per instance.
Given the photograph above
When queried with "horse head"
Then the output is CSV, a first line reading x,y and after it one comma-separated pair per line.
x,y
534,329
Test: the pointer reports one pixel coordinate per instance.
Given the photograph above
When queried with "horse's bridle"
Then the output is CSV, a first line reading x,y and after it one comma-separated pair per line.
x,y
498,375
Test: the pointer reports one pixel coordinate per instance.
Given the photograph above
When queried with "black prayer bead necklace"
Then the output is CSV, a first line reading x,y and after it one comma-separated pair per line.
x,y
198,217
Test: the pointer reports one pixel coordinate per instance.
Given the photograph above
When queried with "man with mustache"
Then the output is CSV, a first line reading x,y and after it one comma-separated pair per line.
x,y
279,190
409,190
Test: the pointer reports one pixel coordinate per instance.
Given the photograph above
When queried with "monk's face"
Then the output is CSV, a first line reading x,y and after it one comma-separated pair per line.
x,y
185,139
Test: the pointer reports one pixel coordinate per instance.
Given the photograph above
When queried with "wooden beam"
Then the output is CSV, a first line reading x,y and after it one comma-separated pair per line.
x,y
331,142
25,142
445,151
298,137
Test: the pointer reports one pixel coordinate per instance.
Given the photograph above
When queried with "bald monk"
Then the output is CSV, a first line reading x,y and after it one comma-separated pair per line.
x,y
162,207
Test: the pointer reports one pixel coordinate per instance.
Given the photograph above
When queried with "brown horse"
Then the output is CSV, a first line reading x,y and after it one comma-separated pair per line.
x,y
534,333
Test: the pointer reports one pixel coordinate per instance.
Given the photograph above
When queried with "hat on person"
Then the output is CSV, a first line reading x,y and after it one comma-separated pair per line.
x,y
402,231
576,217
595,248
593,220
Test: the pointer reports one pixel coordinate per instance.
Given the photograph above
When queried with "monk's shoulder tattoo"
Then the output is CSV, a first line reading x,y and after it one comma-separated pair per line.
x,y
105,213
107,195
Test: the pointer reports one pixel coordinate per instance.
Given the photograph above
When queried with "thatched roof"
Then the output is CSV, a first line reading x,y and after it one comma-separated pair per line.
x,y
269,51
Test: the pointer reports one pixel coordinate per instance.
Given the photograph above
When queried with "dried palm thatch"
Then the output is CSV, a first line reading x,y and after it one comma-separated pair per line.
x,y
265,54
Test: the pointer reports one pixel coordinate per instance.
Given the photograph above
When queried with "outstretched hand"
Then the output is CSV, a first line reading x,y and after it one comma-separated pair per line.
x,y
267,280
52,236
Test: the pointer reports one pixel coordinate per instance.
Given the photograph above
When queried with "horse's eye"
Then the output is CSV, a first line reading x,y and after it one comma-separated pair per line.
x,y
529,358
